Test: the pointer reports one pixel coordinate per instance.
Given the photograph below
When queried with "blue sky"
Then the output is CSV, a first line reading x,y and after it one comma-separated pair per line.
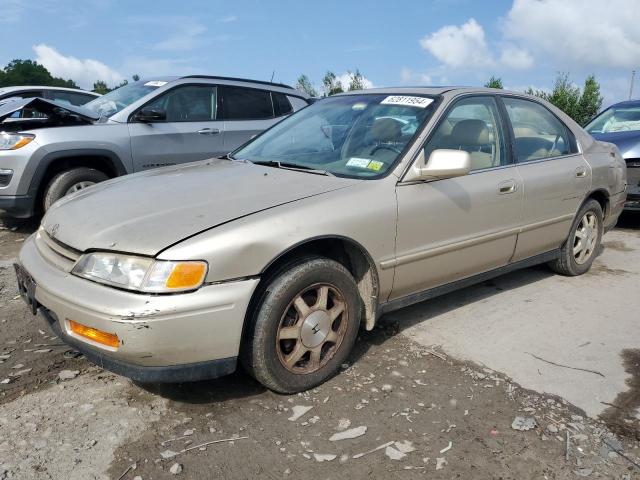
x,y
525,42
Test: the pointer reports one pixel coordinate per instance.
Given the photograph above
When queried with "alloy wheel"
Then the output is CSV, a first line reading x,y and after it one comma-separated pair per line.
x,y
585,238
312,328
79,186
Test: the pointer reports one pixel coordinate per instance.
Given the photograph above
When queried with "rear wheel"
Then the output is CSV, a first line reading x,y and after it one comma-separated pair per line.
x,y
71,181
583,244
304,326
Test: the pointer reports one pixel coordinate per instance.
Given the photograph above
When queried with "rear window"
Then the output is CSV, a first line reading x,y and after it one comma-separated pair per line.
x,y
281,104
246,104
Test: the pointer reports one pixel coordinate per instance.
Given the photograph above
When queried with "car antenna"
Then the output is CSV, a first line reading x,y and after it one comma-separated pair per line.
x,y
273,75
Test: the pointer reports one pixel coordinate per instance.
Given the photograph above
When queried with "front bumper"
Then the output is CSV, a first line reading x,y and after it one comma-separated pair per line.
x,y
21,206
162,338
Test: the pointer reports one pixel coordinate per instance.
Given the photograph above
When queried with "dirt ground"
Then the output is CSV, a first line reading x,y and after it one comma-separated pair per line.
x,y
413,413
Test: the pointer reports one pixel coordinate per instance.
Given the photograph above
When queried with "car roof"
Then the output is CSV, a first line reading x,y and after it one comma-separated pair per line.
x,y
627,103
19,88
430,90
236,79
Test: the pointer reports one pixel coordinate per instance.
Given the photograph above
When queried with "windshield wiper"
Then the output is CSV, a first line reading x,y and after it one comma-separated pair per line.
x,y
292,166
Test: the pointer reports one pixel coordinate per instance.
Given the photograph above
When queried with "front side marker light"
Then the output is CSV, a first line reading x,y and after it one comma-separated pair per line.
x,y
98,336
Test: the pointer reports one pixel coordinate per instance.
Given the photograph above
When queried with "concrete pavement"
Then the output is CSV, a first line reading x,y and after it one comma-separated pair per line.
x,y
528,323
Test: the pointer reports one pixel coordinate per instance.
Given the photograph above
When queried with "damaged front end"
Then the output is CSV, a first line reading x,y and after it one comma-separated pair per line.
x,y
32,113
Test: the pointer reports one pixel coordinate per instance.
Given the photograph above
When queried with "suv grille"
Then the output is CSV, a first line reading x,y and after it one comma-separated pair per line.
x,y
56,253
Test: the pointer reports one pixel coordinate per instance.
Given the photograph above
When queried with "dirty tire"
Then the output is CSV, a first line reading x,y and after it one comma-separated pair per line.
x,y
567,264
62,182
262,352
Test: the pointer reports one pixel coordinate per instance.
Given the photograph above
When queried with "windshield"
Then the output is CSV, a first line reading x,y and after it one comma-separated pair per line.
x,y
358,136
120,98
616,119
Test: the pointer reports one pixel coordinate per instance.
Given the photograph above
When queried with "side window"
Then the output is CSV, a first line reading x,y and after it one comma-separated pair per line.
x,y
189,103
246,103
538,134
70,97
281,104
473,125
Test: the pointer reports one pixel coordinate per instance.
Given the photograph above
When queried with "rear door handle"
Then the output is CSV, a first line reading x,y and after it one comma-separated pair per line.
x,y
581,172
506,187
209,131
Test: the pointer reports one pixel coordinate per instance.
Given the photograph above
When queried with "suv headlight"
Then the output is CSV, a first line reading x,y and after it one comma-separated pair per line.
x,y
140,273
13,141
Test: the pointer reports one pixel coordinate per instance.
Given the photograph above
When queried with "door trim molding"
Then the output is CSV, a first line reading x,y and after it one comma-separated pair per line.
x,y
432,252
471,242
465,282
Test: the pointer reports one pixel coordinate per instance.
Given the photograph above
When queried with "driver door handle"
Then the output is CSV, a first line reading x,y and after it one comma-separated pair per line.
x,y
506,187
209,131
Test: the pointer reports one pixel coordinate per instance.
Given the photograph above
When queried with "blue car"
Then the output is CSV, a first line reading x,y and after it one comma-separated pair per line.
x,y
620,124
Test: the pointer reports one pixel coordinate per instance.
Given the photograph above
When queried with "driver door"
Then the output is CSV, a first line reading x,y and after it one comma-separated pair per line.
x,y
190,132
454,228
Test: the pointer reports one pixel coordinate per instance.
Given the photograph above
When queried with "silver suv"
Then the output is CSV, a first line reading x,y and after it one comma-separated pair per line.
x,y
143,125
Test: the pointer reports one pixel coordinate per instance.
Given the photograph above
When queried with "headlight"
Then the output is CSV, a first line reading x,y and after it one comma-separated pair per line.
x,y
13,141
141,273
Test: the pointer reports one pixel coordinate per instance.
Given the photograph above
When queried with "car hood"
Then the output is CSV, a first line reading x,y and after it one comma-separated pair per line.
x,y
627,142
147,212
57,114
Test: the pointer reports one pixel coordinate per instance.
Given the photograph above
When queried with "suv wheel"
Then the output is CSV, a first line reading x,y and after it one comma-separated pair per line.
x,y
71,181
583,244
304,325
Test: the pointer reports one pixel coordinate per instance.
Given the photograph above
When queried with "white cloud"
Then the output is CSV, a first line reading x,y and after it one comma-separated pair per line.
x,y
516,58
588,33
83,72
408,76
228,19
459,46
186,37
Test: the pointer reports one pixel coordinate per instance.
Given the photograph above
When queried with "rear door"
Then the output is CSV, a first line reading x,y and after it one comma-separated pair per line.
x,y
192,129
556,177
249,111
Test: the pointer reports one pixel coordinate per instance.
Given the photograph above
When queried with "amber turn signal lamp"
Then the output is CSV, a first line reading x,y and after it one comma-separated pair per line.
x,y
98,336
187,275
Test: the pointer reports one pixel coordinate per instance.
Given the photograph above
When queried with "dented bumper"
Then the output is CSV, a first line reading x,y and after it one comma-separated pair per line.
x,y
177,337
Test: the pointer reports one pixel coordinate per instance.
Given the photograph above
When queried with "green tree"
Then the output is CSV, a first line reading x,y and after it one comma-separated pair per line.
x,y
135,77
356,81
28,72
590,100
331,84
304,85
579,105
494,82
100,87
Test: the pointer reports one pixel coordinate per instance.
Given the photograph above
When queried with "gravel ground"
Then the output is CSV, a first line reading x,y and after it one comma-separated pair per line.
x,y
419,414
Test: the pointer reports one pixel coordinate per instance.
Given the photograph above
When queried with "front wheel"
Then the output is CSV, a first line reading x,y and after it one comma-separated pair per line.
x,y
71,181
583,244
304,326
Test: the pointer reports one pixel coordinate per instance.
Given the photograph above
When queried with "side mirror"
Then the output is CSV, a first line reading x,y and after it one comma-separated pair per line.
x,y
443,163
150,116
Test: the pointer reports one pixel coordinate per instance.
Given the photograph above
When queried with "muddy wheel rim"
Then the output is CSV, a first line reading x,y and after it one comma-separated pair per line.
x,y
585,238
79,186
312,328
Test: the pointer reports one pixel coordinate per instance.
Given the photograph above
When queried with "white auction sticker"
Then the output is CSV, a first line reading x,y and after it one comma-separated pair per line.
x,y
408,101
358,162
155,83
